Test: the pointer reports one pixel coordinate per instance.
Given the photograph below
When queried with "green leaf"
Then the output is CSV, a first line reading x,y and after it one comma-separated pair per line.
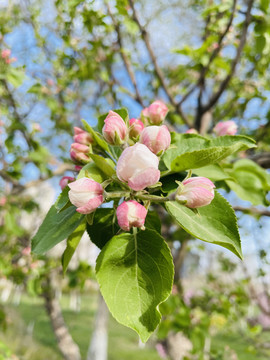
x,y
97,139
15,76
213,172
62,199
215,223
104,227
72,243
250,181
93,172
56,227
191,151
105,165
135,274
152,221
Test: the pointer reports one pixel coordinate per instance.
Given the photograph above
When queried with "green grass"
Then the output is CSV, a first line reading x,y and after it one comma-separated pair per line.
x,y
241,345
123,342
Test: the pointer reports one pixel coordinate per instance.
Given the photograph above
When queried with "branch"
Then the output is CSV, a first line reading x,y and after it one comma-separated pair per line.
x,y
262,159
252,211
212,57
16,113
235,61
125,58
158,70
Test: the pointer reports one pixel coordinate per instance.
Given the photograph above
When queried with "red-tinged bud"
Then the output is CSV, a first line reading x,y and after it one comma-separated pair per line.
x,y
5,54
156,138
86,194
225,128
79,152
138,166
136,126
191,131
65,180
114,129
156,112
131,214
195,192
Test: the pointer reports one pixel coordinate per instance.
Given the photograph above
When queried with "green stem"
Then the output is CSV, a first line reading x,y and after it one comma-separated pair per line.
x,y
116,195
153,198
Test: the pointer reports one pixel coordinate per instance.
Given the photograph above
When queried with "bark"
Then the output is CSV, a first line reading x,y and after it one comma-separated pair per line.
x,y
66,344
99,342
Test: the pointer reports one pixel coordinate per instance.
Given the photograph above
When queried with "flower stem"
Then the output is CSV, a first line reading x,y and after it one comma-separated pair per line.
x,y
153,198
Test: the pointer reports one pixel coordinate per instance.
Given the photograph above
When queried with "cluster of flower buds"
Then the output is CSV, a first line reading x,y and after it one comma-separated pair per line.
x,y
142,142
80,150
5,55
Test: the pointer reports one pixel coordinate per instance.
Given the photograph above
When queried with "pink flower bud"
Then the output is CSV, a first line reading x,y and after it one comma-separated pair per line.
x,y
83,138
86,195
136,126
78,152
77,168
26,251
11,60
3,201
145,115
138,166
65,180
37,127
157,112
50,82
191,131
131,214
225,128
114,129
5,53
156,138
78,130
196,191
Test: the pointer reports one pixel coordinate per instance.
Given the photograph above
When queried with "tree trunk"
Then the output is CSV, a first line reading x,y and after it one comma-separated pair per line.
x,y
99,343
67,346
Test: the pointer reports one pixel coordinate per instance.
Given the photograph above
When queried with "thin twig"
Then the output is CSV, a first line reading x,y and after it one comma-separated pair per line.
x,y
215,97
125,58
158,70
252,211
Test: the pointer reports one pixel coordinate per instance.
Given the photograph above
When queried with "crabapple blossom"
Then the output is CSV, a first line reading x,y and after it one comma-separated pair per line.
x,y
195,192
138,166
136,126
114,129
82,137
131,214
156,138
157,112
86,194
65,180
225,128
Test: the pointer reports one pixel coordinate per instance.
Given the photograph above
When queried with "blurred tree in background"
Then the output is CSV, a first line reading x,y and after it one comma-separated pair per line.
x,y
208,60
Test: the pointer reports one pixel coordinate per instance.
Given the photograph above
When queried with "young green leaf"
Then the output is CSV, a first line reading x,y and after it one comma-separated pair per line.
x,y
215,223
56,227
91,171
135,274
190,151
105,165
104,227
72,243
249,181
97,139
